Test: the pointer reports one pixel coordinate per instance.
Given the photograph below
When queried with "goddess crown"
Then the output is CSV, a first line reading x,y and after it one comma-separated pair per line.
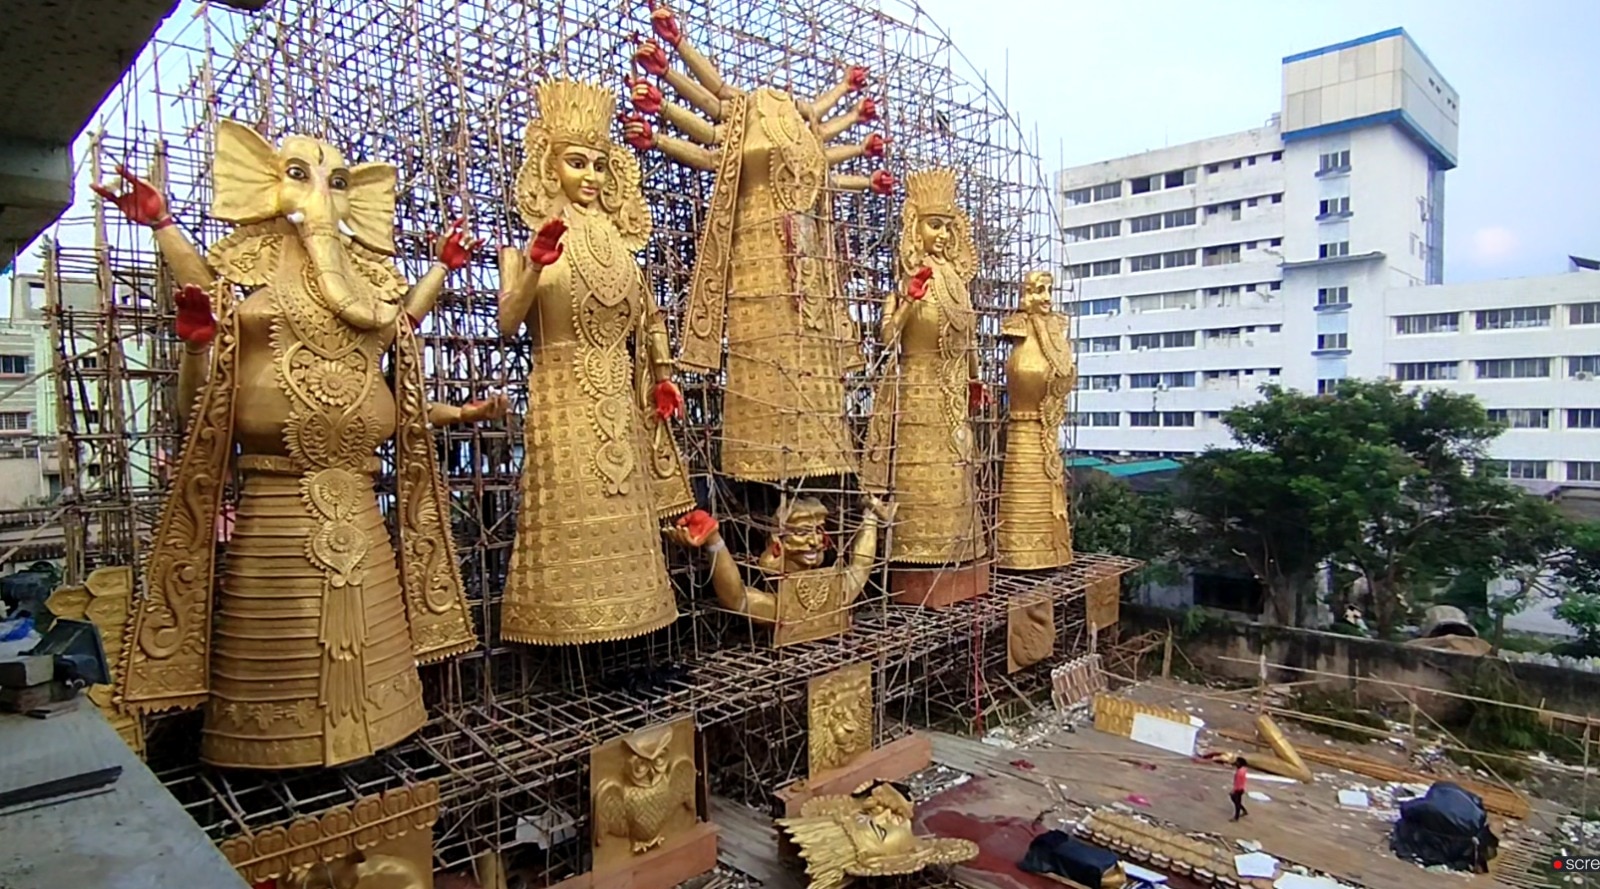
x,y
577,113
932,192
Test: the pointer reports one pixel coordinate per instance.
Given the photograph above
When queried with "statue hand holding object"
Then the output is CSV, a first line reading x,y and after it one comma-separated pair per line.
x,y
917,285
458,247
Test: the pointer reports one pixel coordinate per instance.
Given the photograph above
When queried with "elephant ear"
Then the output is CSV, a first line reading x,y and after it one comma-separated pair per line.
x,y
246,174
371,196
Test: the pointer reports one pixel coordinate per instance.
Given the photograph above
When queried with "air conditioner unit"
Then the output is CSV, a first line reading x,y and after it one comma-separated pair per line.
x,y
1249,342
1144,348
1161,387
1583,375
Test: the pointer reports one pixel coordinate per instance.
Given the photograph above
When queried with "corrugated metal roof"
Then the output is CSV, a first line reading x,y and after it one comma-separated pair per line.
x,y
1123,470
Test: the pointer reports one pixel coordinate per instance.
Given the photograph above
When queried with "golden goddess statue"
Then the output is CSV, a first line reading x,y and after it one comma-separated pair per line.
x,y
765,274
600,468
797,594
920,440
311,658
1033,530
867,834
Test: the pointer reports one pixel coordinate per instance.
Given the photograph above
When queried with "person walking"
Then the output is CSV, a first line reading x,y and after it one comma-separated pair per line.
x,y
1239,775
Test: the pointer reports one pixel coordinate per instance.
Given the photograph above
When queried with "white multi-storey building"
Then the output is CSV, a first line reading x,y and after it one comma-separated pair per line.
x,y
1202,270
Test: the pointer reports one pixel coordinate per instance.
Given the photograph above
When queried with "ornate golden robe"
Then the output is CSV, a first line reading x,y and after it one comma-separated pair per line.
x,y
766,277
919,440
1033,528
599,469
308,656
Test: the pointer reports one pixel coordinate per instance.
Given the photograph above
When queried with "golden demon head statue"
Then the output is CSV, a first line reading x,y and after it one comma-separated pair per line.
x,y
331,204
800,542
649,756
933,225
570,158
867,835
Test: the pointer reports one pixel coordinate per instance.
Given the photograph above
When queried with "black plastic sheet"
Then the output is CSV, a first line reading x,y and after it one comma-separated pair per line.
x,y
1054,852
1447,826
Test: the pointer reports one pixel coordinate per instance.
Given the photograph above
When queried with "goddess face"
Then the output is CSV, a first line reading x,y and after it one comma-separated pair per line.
x,y
934,234
582,173
1036,292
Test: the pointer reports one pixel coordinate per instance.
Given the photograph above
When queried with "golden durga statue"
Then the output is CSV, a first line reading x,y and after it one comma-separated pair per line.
x,y
797,595
600,467
867,834
765,273
919,440
1033,528
311,658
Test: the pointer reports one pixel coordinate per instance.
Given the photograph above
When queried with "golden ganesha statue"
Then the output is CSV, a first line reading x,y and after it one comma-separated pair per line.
x,y
308,655
797,594
1040,373
601,468
920,441
867,834
765,271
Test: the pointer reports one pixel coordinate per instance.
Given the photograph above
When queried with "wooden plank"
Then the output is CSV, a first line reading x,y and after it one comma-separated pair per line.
x,y
686,856
750,844
895,761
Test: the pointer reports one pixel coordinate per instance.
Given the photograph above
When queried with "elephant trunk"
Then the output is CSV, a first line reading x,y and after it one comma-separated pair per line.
x,y
327,251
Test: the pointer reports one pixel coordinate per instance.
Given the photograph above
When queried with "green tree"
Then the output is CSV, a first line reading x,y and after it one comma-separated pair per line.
x,y
1111,517
1577,568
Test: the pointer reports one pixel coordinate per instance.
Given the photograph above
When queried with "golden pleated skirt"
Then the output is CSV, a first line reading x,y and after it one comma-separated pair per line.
x,y
783,407
935,484
587,565
1031,534
269,671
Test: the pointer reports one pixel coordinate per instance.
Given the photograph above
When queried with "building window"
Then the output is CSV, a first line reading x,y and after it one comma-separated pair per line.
x,y
1160,302
1110,229
1526,469
1177,418
1173,259
1178,218
1333,250
1212,168
1434,322
1227,254
1078,196
1166,380
1277,155
1077,233
1098,344
1096,418
1514,319
1095,306
1334,162
16,421
1150,262
1099,382
1108,191
1277,198
1138,225
1178,339
1583,313
1582,418
14,365
1327,341
1105,267
1513,368
1333,207
1522,417
1144,418
1327,387
1418,371
1583,367
1333,296
1583,471
88,362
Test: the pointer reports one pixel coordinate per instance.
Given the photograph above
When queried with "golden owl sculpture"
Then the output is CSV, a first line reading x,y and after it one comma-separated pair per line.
x,y
867,834
654,794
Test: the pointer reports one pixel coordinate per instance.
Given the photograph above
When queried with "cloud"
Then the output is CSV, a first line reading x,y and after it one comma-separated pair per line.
x,y
1494,245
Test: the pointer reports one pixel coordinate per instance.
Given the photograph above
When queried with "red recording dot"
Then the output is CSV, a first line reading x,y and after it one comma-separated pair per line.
x,y
1556,864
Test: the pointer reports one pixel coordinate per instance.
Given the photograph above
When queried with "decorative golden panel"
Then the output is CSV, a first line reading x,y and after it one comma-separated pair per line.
x,y
839,710
1030,632
1104,602
104,600
811,606
336,834
1114,715
643,788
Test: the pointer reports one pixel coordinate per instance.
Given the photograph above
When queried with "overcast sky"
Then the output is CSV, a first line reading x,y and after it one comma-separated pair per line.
x,y
1103,80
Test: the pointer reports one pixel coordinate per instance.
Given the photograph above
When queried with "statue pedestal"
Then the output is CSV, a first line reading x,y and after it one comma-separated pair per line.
x,y
682,858
895,761
938,587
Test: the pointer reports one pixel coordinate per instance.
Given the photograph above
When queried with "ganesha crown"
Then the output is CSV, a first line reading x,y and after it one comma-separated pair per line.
x,y
576,112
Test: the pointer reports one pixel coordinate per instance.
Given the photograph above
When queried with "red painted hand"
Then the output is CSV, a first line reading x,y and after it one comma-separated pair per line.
x,y
142,203
699,524
857,78
867,110
546,247
664,23
651,57
917,287
977,395
669,401
196,325
875,145
458,246
638,132
645,95
883,182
